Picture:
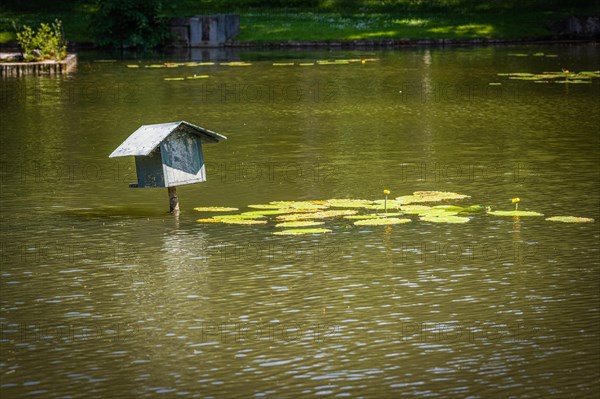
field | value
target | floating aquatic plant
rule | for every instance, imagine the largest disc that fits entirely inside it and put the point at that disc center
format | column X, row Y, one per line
column 299, row 224
column 231, row 221
column 373, row 215
column 381, row 221
column 363, row 217
column 215, row 209
column 382, row 205
column 472, row 210
column 265, row 206
column 311, row 205
column 197, row 77
column 265, row 212
column 515, row 213
column 516, row 202
column 235, row 63
column 174, row 79
column 441, row 218
column 302, row 231
column 336, row 62
column 430, row 196
column 283, row 64
column 569, row 219
column 243, row 221
column 414, row 208
column 238, row 216
column 347, row 203
column 386, row 193
column 436, row 212
column 449, row 208
column 316, row 215
column 566, row 76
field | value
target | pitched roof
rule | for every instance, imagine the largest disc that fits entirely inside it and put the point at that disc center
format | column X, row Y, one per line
column 147, row 137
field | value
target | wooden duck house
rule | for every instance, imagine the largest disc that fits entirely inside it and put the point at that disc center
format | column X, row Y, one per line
column 168, row 155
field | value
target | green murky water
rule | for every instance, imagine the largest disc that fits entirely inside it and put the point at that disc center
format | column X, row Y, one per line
column 103, row 294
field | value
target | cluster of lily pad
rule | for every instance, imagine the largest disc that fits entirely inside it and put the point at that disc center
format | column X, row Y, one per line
column 539, row 54
column 564, row 76
column 244, row 64
column 327, row 62
column 190, row 64
column 302, row 217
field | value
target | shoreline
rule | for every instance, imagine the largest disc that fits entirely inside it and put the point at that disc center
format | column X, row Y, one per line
column 344, row 44
column 398, row 43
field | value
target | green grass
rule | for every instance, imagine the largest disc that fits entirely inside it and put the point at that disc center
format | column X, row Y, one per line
column 282, row 26
column 276, row 24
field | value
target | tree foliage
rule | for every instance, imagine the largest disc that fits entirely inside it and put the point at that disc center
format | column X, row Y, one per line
column 129, row 23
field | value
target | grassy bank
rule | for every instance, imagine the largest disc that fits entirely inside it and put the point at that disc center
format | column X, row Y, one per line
column 342, row 20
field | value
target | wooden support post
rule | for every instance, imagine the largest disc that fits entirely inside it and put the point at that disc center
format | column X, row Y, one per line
column 173, row 201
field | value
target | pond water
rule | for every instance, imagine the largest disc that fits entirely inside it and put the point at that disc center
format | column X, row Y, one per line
column 104, row 294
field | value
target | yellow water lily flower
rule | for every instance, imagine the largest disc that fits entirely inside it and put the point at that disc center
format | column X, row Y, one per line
column 516, row 202
column 386, row 192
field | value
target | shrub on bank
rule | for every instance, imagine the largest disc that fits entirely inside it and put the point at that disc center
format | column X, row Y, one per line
column 47, row 43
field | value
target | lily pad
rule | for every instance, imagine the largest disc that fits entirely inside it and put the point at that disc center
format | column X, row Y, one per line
column 415, row 209
column 264, row 206
column 389, row 214
column 174, row 79
column 472, row 210
column 381, row 221
column 283, row 64
column 268, row 212
column 312, row 205
column 436, row 212
column 449, row 208
column 238, row 216
column 316, row 215
column 235, row 63
column 347, row 203
column 430, row 196
column 242, row 221
column 299, row 224
column 133, row 66
column 576, row 81
column 570, row 219
column 380, row 205
column 515, row 213
column 444, row 219
column 215, row 209
column 302, row 231
column 197, row 77
column 231, row 221
column 334, row 62
column 363, row 217
column 545, row 77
